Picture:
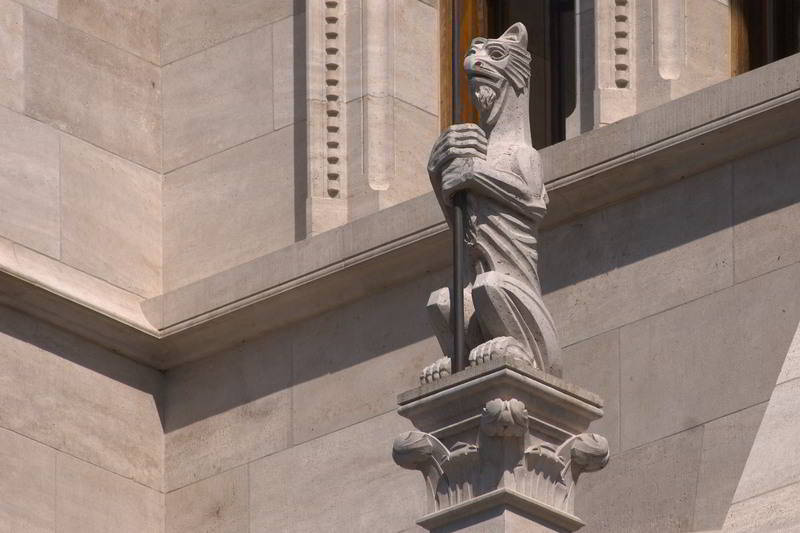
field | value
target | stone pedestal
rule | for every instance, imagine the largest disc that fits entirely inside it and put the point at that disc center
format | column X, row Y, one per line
column 500, row 446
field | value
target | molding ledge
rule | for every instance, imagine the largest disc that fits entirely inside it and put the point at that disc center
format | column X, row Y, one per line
column 502, row 498
column 605, row 166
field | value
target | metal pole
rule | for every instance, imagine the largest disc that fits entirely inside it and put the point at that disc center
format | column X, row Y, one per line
column 459, row 357
column 459, row 361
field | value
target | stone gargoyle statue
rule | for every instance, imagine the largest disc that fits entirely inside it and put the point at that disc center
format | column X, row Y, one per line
column 496, row 165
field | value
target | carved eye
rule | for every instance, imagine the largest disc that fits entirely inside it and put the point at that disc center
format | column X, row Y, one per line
column 497, row 53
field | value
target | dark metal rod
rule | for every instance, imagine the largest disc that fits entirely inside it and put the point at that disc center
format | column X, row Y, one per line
column 459, row 361
column 459, row 358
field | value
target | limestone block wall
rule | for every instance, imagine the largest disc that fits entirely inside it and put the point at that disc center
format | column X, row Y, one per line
column 152, row 144
column 80, row 154
column 690, row 361
column 234, row 133
column 304, row 415
column 187, row 122
column 81, row 442
column 767, row 491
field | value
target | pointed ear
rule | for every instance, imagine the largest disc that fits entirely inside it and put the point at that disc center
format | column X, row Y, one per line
column 516, row 34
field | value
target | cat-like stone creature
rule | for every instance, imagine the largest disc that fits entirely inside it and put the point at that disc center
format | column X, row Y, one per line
column 501, row 173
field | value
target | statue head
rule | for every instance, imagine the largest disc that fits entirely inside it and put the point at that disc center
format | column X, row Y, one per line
column 495, row 66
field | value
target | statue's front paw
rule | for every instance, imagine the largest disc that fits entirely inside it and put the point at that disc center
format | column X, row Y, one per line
column 436, row 371
column 499, row 347
column 457, row 142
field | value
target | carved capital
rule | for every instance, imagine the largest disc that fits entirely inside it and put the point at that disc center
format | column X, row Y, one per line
column 543, row 472
column 512, row 435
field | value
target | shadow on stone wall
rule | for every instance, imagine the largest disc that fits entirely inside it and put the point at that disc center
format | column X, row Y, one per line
column 57, row 342
column 363, row 353
column 668, row 218
column 300, row 130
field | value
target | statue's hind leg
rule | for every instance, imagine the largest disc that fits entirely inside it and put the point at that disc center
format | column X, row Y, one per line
column 440, row 316
column 515, row 323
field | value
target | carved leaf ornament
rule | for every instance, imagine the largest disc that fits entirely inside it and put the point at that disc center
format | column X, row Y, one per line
column 504, row 418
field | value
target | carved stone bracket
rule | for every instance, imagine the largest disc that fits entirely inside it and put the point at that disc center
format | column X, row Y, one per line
column 500, row 436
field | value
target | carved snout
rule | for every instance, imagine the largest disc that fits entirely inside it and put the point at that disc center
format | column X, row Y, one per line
column 472, row 64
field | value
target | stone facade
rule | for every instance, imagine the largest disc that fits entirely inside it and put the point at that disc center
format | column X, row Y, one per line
column 197, row 334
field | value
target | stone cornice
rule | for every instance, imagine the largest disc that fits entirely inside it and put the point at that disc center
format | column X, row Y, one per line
column 503, row 497
column 605, row 166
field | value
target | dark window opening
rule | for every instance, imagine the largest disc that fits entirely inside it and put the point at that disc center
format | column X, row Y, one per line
column 763, row 31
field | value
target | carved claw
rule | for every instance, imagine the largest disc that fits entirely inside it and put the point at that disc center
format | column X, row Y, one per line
column 499, row 347
column 436, row 371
